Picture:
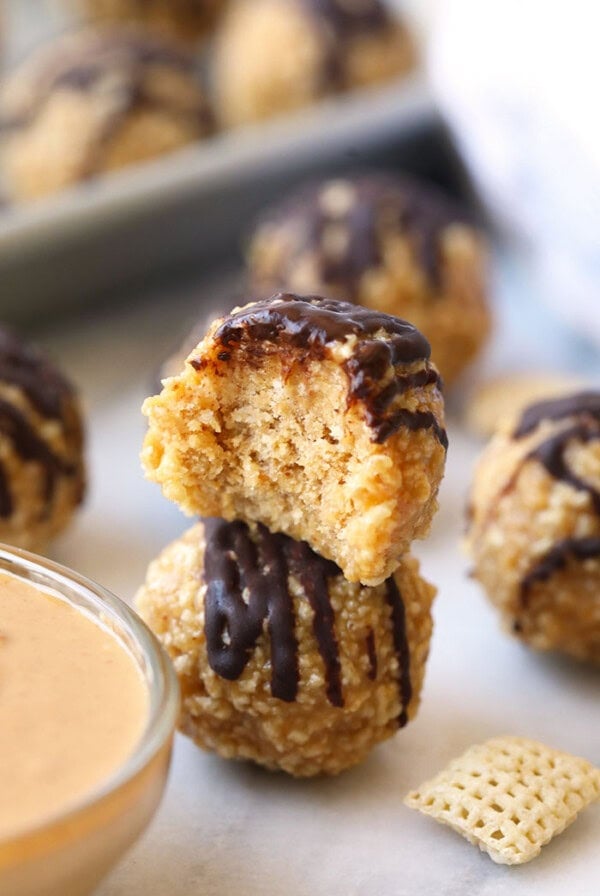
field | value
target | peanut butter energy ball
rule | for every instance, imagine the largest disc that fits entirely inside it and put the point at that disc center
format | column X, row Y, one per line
column 274, row 56
column 393, row 244
column 317, row 418
column 41, row 447
column 96, row 101
column 534, row 533
column 185, row 20
column 281, row 660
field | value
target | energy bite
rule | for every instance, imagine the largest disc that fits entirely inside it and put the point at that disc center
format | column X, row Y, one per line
column 185, row 20
column 42, row 478
column 281, row 660
column 534, row 528
column 95, row 101
column 274, row 56
column 314, row 417
column 389, row 243
column 509, row 796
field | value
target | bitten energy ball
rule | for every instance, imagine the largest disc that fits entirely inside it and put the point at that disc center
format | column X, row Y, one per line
column 96, row 101
column 281, row 660
column 392, row 244
column 186, row 20
column 274, row 56
column 41, row 447
column 534, row 534
column 315, row 417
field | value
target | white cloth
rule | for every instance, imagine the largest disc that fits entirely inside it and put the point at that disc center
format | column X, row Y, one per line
column 518, row 82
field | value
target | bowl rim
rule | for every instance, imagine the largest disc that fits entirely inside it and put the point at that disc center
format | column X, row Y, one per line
column 154, row 664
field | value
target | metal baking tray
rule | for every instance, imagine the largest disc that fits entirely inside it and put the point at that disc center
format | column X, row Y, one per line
column 120, row 234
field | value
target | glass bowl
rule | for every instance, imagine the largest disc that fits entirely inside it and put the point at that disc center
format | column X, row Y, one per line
column 70, row 852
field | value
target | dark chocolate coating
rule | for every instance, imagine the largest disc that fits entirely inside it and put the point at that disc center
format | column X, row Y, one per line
column 52, row 397
column 584, row 409
column 237, row 564
column 581, row 403
column 311, row 323
column 382, row 203
column 556, row 559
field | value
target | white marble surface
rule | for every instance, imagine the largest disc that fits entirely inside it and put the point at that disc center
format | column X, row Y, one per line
column 233, row 829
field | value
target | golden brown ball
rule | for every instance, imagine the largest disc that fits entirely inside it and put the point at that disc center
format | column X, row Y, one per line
column 275, row 56
column 42, row 476
column 534, row 531
column 281, row 660
column 96, row 101
column 388, row 243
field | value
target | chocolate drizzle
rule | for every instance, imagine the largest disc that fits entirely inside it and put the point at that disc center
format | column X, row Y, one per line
column 236, row 566
column 51, row 396
column 395, row 602
column 581, row 403
column 340, row 24
column 30, row 447
column 584, row 409
column 247, row 579
column 310, row 324
column 23, row 367
column 371, row 206
column 556, row 558
column 313, row 573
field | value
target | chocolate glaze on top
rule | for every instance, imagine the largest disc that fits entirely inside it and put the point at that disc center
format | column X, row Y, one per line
column 52, row 396
column 113, row 64
column 247, row 589
column 396, row 604
column 380, row 204
column 581, row 403
column 311, row 323
column 24, row 367
column 584, row 409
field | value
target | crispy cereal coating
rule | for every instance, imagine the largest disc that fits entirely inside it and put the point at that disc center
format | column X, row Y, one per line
column 275, row 56
column 185, row 20
column 96, row 101
column 42, row 478
column 317, row 418
column 281, row 660
column 392, row 244
column 534, row 531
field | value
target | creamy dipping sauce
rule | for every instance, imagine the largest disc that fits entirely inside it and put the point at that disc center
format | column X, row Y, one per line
column 73, row 705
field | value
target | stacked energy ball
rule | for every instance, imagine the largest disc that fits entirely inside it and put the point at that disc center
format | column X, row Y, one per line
column 308, row 435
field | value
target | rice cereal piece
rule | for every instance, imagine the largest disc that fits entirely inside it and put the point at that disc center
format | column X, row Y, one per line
column 510, row 796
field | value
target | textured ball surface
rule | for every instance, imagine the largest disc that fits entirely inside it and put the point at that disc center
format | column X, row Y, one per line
column 392, row 244
column 95, row 101
column 42, row 477
column 314, row 417
column 534, row 531
column 281, row 660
